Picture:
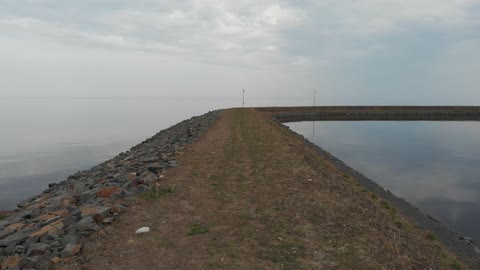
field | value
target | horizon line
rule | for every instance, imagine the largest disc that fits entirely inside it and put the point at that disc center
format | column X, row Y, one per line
column 148, row 97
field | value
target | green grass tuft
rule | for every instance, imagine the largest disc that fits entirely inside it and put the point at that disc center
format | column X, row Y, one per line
column 156, row 193
column 385, row 205
column 399, row 224
column 197, row 229
column 430, row 236
column 392, row 211
column 456, row 265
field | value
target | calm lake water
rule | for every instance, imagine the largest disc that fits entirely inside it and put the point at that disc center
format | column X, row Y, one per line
column 433, row 165
column 45, row 140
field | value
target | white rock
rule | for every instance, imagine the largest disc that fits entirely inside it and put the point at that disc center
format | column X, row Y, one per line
column 142, row 230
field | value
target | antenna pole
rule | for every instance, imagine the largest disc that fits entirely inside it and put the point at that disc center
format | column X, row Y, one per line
column 314, row 97
column 243, row 102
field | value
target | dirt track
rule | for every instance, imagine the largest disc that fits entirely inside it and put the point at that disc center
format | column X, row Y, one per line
column 250, row 195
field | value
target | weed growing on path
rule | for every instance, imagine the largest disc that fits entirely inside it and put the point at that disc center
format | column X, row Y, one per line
column 197, row 229
column 430, row 236
column 156, row 193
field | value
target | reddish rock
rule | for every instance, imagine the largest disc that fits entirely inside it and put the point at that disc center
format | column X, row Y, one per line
column 71, row 250
column 38, row 249
column 97, row 212
column 65, row 261
column 33, row 205
column 110, row 165
column 107, row 192
column 41, row 205
column 61, row 213
column 29, row 226
column 101, row 234
column 108, row 220
column 116, row 209
column 44, row 217
column 11, row 229
column 51, row 229
column 102, row 181
column 11, row 262
column 131, row 176
column 7, row 213
column 15, row 227
column 107, row 203
column 66, row 203
column 56, row 260
column 44, row 196
column 136, row 182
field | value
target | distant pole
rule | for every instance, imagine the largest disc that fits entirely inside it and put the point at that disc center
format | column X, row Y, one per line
column 243, row 102
column 314, row 105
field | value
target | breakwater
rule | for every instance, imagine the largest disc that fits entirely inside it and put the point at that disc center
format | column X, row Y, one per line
column 372, row 113
column 51, row 227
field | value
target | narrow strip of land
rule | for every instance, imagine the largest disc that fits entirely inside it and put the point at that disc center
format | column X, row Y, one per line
column 251, row 195
column 357, row 113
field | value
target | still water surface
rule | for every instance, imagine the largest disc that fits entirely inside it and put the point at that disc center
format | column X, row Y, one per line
column 433, row 165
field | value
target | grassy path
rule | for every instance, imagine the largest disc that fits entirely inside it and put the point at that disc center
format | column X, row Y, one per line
column 250, row 195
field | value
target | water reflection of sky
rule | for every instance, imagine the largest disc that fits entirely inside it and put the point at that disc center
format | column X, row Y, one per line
column 434, row 165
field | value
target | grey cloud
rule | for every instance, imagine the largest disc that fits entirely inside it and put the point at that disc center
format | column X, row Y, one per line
column 352, row 50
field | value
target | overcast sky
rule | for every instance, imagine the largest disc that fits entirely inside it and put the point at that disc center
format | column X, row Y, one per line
column 351, row 51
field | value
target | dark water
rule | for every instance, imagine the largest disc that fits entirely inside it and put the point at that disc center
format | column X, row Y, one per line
column 433, row 165
column 45, row 140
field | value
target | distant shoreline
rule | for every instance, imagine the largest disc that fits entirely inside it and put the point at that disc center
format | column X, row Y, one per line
column 374, row 113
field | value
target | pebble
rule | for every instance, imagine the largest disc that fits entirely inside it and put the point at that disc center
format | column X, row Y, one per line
column 143, row 230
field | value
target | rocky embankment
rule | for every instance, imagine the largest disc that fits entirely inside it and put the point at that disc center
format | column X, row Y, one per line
column 51, row 228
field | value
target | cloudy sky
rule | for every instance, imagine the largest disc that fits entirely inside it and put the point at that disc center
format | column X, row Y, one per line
column 351, row 51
